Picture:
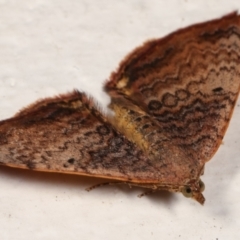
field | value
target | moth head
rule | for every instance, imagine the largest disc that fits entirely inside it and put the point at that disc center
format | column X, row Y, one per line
column 194, row 190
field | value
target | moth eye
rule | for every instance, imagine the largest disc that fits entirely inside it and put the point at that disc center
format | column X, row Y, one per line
column 202, row 186
column 187, row 192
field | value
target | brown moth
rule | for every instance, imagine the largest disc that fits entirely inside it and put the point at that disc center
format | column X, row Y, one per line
column 172, row 100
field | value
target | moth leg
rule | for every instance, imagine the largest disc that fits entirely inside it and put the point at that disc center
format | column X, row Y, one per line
column 147, row 193
column 103, row 184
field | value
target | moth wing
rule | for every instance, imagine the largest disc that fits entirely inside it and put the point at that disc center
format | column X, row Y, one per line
column 188, row 82
column 69, row 134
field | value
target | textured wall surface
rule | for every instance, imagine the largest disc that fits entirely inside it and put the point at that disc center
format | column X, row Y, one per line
column 51, row 47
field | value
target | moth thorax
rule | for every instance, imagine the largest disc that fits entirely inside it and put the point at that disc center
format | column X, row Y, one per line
column 138, row 127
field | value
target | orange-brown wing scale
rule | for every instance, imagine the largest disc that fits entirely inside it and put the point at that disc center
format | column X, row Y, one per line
column 172, row 100
column 68, row 134
column 188, row 82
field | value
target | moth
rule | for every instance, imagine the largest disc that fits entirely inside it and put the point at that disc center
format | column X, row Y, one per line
column 172, row 100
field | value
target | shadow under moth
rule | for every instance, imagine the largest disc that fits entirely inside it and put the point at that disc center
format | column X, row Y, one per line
column 172, row 100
